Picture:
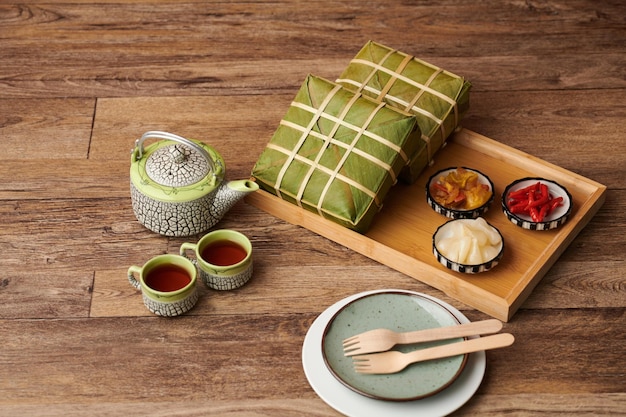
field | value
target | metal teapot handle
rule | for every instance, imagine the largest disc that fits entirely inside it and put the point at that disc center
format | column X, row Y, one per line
column 155, row 134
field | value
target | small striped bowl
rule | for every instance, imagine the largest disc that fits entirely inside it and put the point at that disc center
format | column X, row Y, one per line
column 554, row 220
column 456, row 213
column 459, row 267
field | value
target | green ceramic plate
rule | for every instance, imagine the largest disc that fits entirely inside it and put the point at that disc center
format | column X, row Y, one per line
column 401, row 312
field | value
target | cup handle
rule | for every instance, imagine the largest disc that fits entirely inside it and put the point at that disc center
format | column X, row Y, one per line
column 188, row 246
column 131, row 276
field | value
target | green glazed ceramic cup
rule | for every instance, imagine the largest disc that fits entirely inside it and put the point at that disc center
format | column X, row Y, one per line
column 167, row 284
column 219, row 265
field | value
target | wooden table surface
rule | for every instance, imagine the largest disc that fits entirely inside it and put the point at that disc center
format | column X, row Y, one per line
column 80, row 81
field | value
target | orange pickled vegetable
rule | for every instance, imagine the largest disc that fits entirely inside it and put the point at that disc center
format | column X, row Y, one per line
column 460, row 190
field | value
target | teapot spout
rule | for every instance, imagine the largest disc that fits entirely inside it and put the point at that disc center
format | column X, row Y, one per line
column 229, row 193
column 242, row 187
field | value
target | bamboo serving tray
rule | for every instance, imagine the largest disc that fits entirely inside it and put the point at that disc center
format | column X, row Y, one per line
column 401, row 234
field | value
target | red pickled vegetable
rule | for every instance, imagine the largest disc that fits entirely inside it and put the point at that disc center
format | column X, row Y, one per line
column 522, row 192
column 518, row 208
column 556, row 202
column 534, row 201
column 543, row 211
column 534, row 214
column 540, row 200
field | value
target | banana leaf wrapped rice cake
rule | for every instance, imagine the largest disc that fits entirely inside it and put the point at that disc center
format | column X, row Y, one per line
column 337, row 153
column 438, row 98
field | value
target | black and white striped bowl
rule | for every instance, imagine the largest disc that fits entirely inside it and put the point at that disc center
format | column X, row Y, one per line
column 456, row 213
column 554, row 220
column 459, row 267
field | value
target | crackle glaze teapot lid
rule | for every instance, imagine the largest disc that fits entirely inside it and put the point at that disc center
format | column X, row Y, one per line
column 175, row 169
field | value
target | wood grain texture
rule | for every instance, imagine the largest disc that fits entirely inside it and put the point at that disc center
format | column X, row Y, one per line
column 59, row 127
column 81, row 80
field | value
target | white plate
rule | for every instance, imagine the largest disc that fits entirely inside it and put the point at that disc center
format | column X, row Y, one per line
column 400, row 312
column 350, row 403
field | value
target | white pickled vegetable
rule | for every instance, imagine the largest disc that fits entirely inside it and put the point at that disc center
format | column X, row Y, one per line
column 469, row 241
column 465, row 245
column 490, row 252
column 475, row 257
column 481, row 237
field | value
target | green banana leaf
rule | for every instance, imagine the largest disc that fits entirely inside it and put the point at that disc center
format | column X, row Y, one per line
column 337, row 153
column 438, row 98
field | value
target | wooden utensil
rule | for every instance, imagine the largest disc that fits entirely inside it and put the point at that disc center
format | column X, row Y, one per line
column 379, row 340
column 393, row 361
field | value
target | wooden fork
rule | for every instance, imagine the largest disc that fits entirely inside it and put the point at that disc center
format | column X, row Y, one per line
column 379, row 340
column 393, row 361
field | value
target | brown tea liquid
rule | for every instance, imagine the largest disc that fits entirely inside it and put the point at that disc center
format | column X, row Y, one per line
column 223, row 253
column 166, row 278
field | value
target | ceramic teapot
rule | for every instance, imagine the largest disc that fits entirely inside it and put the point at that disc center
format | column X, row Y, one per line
column 177, row 185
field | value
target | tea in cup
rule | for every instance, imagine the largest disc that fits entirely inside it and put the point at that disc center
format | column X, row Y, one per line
column 167, row 284
column 223, row 257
